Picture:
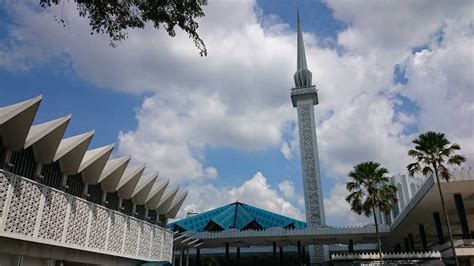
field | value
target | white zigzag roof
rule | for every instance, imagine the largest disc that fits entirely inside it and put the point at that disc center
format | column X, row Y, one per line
column 71, row 151
column 129, row 181
column 45, row 138
column 48, row 144
column 15, row 122
column 93, row 163
column 156, row 193
column 166, row 200
column 113, row 171
column 143, row 188
column 176, row 205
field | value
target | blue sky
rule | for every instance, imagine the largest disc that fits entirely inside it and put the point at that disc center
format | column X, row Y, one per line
column 223, row 126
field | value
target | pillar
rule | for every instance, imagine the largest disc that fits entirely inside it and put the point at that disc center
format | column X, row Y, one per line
column 411, row 241
column 424, row 243
column 187, row 257
column 462, row 216
column 238, row 256
column 227, row 253
column 64, row 185
column 174, row 257
column 198, row 257
column 298, row 244
column 85, row 191
column 407, row 246
column 38, row 174
column 281, row 255
column 181, row 257
column 104, row 198
column 439, row 228
column 274, row 252
column 303, row 254
column 351, row 246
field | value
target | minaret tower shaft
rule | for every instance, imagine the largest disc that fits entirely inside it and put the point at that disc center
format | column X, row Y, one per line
column 304, row 96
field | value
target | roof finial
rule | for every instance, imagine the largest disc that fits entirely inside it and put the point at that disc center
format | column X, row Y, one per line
column 303, row 75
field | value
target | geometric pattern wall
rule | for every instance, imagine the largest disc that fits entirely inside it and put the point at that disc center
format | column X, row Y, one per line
column 38, row 213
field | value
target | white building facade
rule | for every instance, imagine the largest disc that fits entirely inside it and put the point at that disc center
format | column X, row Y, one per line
column 63, row 203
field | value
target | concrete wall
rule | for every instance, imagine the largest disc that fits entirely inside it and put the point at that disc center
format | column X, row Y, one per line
column 18, row 252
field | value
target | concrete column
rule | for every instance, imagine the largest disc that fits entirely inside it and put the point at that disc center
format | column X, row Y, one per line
column 298, row 244
column 64, row 185
column 198, row 257
column 439, row 228
column 303, row 254
column 351, row 246
column 411, row 241
column 238, row 256
column 85, row 191
column 281, row 255
column 104, row 198
column 38, row 174
column 274, row 252
column 407, row 246
column 119, row 207
column 424, row 243
column 466, row 234
column 174, row 257
column 227, row 262
column 181, row 257
column 187, row 257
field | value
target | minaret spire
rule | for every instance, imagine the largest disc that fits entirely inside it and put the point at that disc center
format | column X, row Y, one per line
column 303, row 75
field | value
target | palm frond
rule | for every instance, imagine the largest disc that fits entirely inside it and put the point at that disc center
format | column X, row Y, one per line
column 456, row 159
column 413, row 168
column 427, row 171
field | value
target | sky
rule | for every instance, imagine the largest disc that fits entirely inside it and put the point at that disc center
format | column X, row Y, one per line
column 222, row 126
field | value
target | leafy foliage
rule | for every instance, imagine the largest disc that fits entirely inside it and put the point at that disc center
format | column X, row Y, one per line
column 432, row 151
column 369, row 189
column 115, row 17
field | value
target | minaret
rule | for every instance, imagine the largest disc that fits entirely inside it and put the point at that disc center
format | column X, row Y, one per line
column 304, row 96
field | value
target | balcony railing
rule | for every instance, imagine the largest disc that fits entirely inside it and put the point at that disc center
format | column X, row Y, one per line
column 34, row 212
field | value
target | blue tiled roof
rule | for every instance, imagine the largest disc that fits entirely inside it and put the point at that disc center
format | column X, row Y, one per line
column 236, row 215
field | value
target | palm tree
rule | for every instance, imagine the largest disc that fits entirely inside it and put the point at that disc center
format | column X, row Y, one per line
column 370, row 190
column 432, row 151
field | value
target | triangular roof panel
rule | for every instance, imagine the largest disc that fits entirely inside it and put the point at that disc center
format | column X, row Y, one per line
column 143, row 188
column 15, row 122
column 166, row 200
column 112, row 173
column 71, row 152
column 45, row 138
column 156, row 193
column 176, row 205
column 93, row 163
column 129, row 181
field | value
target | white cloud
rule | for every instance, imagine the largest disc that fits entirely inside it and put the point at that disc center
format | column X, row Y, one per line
column 237, row 97
column 287, row 188
column 255, row 191
column 338, row 211
column 440, row 81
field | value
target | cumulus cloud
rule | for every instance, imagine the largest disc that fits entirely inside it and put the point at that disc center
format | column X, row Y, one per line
column 287, row 188
column 238, row 96
column 338, row 211
column 255, row 191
